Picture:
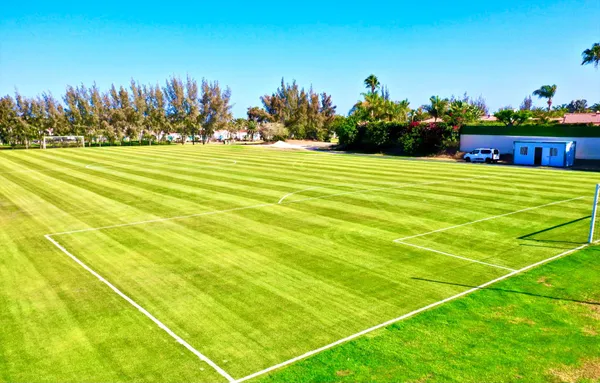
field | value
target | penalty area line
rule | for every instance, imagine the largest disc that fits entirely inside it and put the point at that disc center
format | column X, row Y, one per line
column 142, row 310
column 456, row 256
column 401, row 240
column 408, row 315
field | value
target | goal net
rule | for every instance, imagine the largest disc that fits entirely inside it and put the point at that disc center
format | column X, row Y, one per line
column 595, row 226
column 63, row 142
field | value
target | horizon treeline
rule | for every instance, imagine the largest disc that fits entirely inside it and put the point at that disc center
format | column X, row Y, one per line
column 136, row 112
column 194, row 110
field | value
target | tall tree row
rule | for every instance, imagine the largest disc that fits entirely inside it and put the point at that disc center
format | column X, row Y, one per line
column 303, row 114
column 135, row 113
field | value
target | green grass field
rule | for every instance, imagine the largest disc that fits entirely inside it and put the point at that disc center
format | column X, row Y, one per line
column 541, row 326
column 251, row 255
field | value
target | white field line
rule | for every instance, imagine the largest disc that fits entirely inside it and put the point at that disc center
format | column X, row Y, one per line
column 259, row 206
column 456, row 256
column 143, row 310
column 408, row 315
column 403, row 240
column 487, row 219
column 299, row 191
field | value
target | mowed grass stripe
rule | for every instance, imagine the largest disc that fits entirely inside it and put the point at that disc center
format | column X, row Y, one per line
column 396, row 162
column 101, row 196
column 299, row 252
column 306, row 272
column 409, row 163
column 490, row 191
column 244, row 171
column 57, row 325
column 262, row 224
column 490, row 185
column 187, row 199
column 126, row 183
column 526, row 177
column 267, row 187
column 400, row 186
column 216, row 179
column 321, row 170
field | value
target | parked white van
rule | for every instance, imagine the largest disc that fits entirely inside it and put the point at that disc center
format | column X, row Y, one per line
column 487, row 155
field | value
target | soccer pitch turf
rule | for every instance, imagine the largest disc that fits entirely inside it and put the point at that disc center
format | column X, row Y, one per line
column 249, row 256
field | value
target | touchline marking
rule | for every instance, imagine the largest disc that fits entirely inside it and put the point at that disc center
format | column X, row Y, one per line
column 487, row 219
column 259, row 206
column 456, row 256
column 143, row 310
column 408, row 315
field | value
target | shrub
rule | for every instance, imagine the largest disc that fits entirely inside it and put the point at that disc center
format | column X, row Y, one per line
column 411, row 138
column 273, row 131
column 345, row 129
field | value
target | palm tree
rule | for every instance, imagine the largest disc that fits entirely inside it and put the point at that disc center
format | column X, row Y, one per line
column 437, row 108
column 371, row 107
column 546, row 91
column 592, row 56
column 372, row 83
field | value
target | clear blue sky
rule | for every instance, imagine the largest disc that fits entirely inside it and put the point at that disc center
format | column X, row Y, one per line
column 502, row 50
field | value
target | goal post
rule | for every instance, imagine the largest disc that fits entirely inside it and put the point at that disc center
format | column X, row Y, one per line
column 593, row 225
column 63, row 142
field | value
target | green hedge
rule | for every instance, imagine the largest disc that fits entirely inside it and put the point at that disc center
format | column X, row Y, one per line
column 407, row 138
column 555, row 130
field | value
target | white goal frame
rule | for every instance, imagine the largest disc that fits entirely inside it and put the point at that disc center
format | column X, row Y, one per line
column 79, row 140
column 594, row 215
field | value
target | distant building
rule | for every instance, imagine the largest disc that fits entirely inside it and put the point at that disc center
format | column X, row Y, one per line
column 488, row 118
column 586, row 139
column 582, row 118
column 241, row 135
column 569, row 118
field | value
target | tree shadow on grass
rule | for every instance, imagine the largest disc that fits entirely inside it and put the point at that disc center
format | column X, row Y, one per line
column 508, row 291
column 552, row 247
column 528, row 237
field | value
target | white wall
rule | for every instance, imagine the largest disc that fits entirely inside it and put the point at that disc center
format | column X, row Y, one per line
column 587, row 148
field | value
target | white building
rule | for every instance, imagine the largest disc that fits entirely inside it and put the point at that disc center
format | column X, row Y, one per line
column 242, row 135
column 586, row 138
column 552, row 153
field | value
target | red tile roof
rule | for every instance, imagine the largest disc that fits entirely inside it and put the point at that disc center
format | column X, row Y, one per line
column 582, row 118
